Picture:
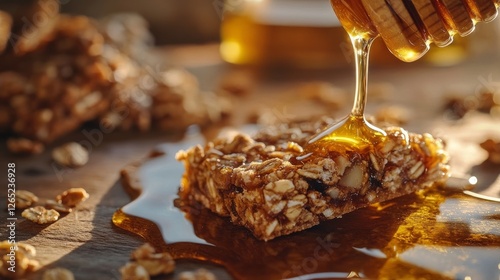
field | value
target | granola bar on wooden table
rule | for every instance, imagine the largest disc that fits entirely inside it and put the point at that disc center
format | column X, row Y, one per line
column 259, row 183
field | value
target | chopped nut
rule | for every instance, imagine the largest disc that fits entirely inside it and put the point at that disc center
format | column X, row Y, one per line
column 72, row 197
column 27, row 249
column 353, row 178
column 70, row 155
column 200, row 274
column 143, row 251
column 58, row 274
column 61, row 208
column 156, row 264
column 493, row 149
column 40, row 215
column 23, row 259
column 24, row 146
column 134, row 271
column 25, row 199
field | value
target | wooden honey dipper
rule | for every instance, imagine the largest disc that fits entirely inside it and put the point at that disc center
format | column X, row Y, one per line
column 409, row 26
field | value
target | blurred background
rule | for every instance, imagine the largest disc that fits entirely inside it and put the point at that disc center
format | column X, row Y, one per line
column 296, row 33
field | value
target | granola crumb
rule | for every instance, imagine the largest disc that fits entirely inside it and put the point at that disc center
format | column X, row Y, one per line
column 70, row 155
column 40, row 215
column 58, row 273
column 154, row 263
column 25, row 262
column 134, row 271
column 72, row 197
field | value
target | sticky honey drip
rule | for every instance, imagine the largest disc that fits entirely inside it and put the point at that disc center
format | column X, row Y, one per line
column 354, row 133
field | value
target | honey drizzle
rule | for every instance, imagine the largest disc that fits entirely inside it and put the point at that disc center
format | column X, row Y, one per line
column 354, row 133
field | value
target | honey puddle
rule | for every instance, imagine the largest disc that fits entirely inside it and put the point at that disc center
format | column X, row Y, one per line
column 437, row 234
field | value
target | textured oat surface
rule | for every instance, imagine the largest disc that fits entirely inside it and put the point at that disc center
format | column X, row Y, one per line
column 261, row 185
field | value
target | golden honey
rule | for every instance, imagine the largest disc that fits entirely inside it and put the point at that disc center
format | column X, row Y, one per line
column 407, row 28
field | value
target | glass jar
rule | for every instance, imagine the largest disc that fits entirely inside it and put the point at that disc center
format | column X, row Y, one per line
column 296, row 33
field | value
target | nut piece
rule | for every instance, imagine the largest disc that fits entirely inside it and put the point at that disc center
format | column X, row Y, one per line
column 154, row 263
column 134, row 271
column 200, row 274
column 58, row 273
column 144, row 251
column 72, row 197
column 23, row 261
column 61, row 208
column 70, row 155
column 24, row 146
column 40, row 215
column 25, row 199
column 27, row 249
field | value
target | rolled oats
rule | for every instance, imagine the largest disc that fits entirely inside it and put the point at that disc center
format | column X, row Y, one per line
column 40, row 215
column 70, row 155
column 58, row 273
column 25, row 199
column 27, row 249
column 72, row 197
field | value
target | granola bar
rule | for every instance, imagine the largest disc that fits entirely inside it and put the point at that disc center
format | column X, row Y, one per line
column 259, row 183
column 84, row 70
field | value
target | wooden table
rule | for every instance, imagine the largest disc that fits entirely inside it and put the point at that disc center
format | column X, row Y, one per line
column 86, row 242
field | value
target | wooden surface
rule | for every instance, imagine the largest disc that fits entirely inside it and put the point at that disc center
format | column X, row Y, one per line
column 86, row 242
